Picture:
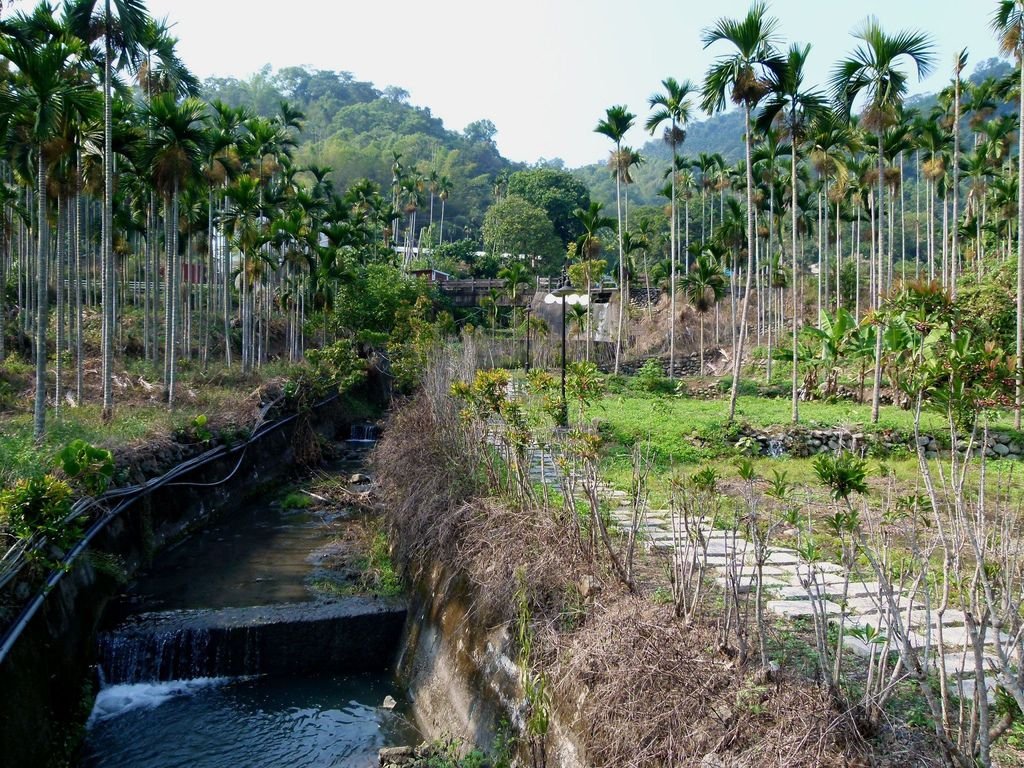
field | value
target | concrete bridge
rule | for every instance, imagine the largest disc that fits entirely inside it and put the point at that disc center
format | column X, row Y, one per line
column 471, row 292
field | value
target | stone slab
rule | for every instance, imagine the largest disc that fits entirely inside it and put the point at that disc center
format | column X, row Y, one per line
column 799, row 609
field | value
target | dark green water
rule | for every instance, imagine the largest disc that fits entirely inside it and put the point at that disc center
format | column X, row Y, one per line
column 251, row 723
column 259, row 555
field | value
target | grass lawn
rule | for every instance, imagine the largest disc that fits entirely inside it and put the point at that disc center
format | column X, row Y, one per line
column 687, row 433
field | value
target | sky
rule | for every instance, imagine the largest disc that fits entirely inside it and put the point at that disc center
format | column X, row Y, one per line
column 543, row 71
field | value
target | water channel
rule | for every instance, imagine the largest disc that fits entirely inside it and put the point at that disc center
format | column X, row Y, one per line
column 261, row 555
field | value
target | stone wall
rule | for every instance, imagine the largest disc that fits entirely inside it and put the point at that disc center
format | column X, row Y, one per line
column 805, row 441
column 686, row 366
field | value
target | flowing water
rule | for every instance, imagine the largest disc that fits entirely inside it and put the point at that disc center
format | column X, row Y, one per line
column 259, row 556
column 245, row 723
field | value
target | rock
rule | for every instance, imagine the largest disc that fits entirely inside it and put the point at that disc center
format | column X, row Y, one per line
column 1002, row 438
column 389, row 702
column 923, row 441
column 358, row 479
column 1016, row 448
column 1002, row 449
column 931, row 455
column 396, row 755
column 589, row 586
column 712, row 760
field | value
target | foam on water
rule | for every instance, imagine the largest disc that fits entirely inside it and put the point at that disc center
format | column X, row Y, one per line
column 116, row 700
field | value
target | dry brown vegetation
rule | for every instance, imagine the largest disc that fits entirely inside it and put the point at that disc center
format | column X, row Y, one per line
column 634, row 685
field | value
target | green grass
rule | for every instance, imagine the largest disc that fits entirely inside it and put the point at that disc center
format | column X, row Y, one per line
column 296, row 500
column 685, row 433
column 20, row 456
column 672, row 421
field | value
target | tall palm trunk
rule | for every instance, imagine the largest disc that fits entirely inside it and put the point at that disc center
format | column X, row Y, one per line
column 954, row 261
column 440, row 234
column 622, row 262
column 738, row 348
column 701, row 369
column 168, row 277
column 792, row 279
column 42, row 300
column 226, row 274
column 107, row 254
column 174, row 299
column 1019, row 383
column 876, row 390
column 59, row 339
column 672, row 268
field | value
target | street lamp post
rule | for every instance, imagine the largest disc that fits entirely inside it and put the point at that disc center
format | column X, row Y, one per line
column 527, row 311
column 565, row 294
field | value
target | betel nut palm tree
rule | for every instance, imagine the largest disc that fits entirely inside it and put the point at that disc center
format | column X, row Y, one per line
column 176, row 150
column 617, row 121
column 742, row 75
column 874, row 72
column 797, row 106
column 672, row 106
column 705, row 285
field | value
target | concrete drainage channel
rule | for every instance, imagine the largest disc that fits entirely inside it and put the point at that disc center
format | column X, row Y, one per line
column 293, row 654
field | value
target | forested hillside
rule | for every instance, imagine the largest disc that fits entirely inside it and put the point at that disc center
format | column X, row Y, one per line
column 356, row 129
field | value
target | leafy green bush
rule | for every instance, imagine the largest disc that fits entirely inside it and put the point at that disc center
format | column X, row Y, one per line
column 39, row 505
column 336, row 366
column 747, row 387
column 651, row 378
column 86, row 465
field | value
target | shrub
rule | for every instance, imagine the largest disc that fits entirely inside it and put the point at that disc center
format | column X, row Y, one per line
column 39, row 505
column 747, row 388
column 296, row 501
column 651, row 377
column 90, row 467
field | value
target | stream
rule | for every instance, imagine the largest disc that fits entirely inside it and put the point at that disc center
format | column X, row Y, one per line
column 265, row 558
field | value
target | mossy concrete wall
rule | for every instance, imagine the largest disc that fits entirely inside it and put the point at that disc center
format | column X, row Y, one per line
column 46, row 681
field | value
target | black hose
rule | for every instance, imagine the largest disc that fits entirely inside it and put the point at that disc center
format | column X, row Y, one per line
column 128, row 496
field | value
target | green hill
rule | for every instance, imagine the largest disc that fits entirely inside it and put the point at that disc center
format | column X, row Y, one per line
column 355, row 128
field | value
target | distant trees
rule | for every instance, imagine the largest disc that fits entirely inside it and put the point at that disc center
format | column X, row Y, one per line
column 516, row 227
column 558, row 193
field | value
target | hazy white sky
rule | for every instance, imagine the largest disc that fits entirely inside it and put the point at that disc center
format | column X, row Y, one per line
column 542, row 70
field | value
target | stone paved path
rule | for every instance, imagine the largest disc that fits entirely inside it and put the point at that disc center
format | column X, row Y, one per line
column 730, row 557
column 785, row 581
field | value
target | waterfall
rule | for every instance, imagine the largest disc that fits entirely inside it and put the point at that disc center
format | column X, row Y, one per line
column 363, row 433
column 134, row 654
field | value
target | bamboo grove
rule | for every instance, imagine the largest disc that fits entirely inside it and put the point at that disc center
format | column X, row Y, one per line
column 845, row 194
column 125, row 194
